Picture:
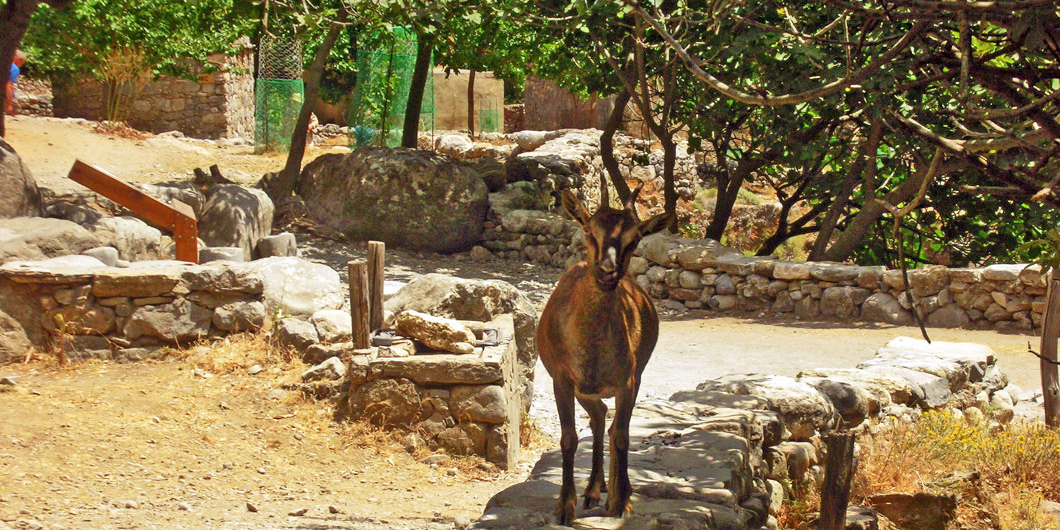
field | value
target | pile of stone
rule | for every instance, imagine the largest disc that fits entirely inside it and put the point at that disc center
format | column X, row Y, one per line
column 456, row 370
column 725, row 454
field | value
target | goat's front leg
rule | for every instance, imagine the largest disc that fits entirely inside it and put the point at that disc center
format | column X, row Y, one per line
column 619, row 488
column 568, row 443
column 597, row 416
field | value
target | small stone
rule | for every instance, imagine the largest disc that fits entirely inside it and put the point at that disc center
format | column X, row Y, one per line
column 277, row 394
column 184, row 507
column 452, row 472
column 255, row 370
column 461, row 521
column 261, row 471
column 299, row 512
column 437, row 458
column 334, row 509
column 10, row 380
column 131, row 505
column 251, row 508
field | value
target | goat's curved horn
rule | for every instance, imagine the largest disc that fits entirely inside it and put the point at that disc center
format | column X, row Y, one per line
column 631, row 202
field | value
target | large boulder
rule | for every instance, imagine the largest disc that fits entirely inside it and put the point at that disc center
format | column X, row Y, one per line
column 236, row 216
column 38, row 238
column 482, row 300
column 403, row 197
column 134, row 239
column 19, row 196
column 296, row 287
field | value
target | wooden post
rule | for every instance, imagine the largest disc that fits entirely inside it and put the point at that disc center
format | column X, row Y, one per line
column 359, row 303
column 376, row 253
column 838, row 473
column 1050, row 334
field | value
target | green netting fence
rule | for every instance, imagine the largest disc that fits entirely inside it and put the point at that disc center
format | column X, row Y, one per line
column 277, row 103
column 384, row 77
column 278, row 93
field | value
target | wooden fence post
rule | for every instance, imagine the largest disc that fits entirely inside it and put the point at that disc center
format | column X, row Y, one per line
column 376, row 256
column 1050, row 334
column 838, row 473
column 359, row 303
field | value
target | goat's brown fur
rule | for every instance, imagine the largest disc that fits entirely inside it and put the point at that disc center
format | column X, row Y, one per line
column 595, row 337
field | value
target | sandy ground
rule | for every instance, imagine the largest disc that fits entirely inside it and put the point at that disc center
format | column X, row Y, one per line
column 152, row 445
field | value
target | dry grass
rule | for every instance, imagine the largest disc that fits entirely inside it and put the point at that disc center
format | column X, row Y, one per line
column 1001, row 476
column 237, row 353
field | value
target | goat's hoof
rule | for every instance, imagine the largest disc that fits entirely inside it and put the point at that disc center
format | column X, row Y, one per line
column 565, row 513
column 619, row 508
column 591, row 501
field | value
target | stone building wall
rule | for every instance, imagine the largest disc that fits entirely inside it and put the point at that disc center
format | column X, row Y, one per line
column 685, row 274
column 548, row 107
column 212, row 105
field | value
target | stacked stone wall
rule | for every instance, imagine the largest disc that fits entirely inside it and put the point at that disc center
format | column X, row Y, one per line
column 126, row 313
column 464, row 404
column 211, row 105
column 687, row 274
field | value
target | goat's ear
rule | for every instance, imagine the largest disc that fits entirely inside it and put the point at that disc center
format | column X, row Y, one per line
column 575, row 208
column 656, row 224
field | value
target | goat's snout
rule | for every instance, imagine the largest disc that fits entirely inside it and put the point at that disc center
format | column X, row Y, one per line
column 609, row 261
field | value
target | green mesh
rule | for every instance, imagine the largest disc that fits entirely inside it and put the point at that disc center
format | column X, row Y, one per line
column 489, row 120
column 276, row 106
column 384, row 77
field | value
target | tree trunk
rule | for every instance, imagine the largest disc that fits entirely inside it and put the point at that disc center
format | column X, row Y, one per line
column 282, row 186
column 14, row 20
column 411, row 131
column 669, row 186
column 1050, row 332
column 728, row 190
column 471, row 103
column 846, row 189
column 871, row 212
column 607, row 145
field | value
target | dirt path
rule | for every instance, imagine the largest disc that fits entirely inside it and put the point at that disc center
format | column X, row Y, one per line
column 153, row 445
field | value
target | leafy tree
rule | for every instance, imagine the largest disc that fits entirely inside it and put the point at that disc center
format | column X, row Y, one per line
column 125, row 43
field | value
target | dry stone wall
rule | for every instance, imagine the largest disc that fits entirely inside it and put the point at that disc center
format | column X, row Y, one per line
column 464, row 404
column 212, row 105
column 89, row 310
column 686, row 274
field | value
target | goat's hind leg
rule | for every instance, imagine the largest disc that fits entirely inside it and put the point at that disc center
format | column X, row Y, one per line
column 597, row 410
column 568, row 443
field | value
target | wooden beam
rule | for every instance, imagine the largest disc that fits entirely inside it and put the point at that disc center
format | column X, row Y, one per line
column 178, row 220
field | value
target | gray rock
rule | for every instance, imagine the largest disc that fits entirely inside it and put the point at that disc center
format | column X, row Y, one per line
column 333, row 325
column 481, row 300
column 176, row 322
column 14, row 341
column 239, row 316
column 296, row 333
column 134, row 239
column 280, row 245
column 882, row 307
column 949, row 316
column 9, row 380
column 803, row 409
column 485, row 404
column 36, row 238
column 385, row 402
column 209, row 254
column 843, row 302
column 442, row 334
column 923, row 511
column 786, row 270
column 296, row 287
column 851, row 401
column 441, row 203
column 329, row 370
column 235, row 216
column 108, row 255
column 19, row 196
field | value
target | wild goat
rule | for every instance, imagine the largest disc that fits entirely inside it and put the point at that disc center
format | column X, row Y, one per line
column 595, row 337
